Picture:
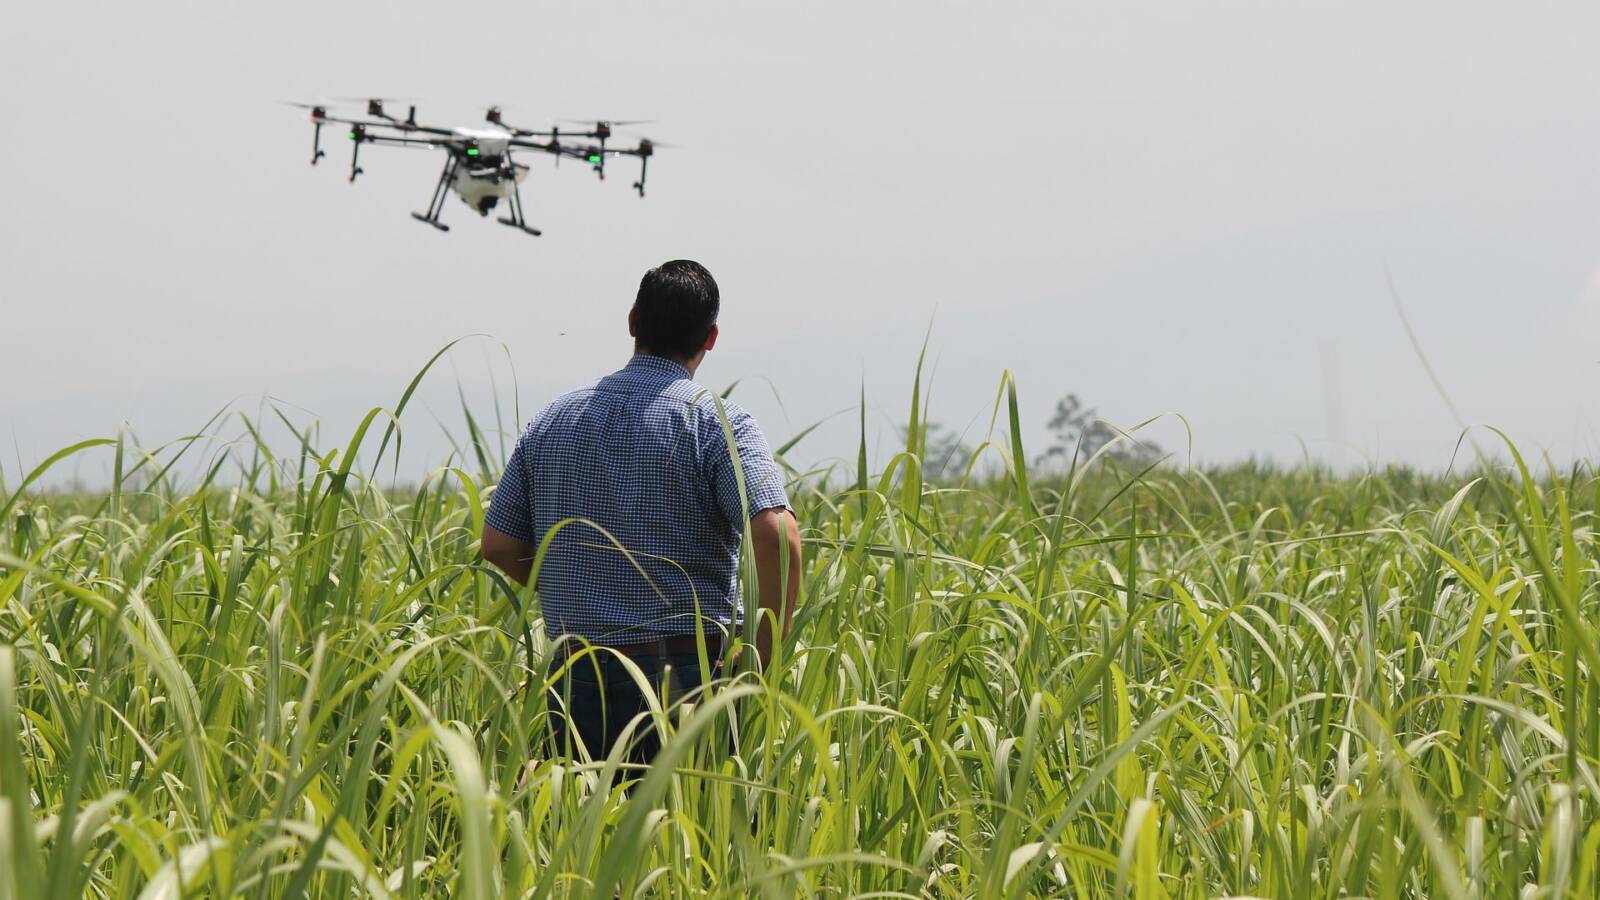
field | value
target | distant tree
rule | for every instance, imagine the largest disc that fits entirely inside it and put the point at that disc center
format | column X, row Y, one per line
column 1079, row 433
column 945, row 458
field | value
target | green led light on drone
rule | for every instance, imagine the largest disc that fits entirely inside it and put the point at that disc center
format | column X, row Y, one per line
column 352, row 135
column 594, row 157
column 472, row 151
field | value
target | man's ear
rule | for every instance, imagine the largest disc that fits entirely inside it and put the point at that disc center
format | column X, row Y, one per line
column 633, row 322
column 711, row 338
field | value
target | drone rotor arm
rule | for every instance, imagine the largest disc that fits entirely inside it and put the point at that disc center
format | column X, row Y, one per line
column 404, row 128
column 595, row 155
column 423, row 129
column 396, row 141
column 359, row 134
column 551, row 147
column 584, row 152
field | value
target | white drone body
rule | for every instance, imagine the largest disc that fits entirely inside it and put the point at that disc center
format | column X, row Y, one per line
column 481, row 187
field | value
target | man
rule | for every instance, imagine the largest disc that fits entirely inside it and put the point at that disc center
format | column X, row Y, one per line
column 634, row 478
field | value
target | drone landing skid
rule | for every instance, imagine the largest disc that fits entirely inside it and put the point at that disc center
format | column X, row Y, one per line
column 420, row 217
column 520, row 226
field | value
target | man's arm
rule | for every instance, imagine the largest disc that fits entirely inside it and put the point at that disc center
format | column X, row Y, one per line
column 775, row 537
column 510, row 555
column 508, row 524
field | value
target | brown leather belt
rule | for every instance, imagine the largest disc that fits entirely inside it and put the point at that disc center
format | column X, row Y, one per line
column 675, row 645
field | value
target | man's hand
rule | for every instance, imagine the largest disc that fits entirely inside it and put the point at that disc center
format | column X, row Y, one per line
column 775, row 540
column 511, row 555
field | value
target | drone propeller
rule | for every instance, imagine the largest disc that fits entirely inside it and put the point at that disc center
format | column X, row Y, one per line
column 375, row 106
column 495, row 115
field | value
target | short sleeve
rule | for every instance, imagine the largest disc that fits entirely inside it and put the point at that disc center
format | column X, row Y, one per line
column 511, row 507
column 763, row 477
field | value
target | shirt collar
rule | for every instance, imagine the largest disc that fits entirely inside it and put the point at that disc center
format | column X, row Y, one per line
column 644, row 362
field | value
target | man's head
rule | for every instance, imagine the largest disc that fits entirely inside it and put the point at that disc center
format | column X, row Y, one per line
column 675, row 313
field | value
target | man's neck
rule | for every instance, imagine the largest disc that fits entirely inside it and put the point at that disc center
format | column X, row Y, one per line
column 691, row 364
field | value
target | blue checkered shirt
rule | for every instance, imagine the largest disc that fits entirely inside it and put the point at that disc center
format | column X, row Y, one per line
column 642, row 454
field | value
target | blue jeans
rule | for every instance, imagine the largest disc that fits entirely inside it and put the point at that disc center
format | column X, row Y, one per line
column 597, row 698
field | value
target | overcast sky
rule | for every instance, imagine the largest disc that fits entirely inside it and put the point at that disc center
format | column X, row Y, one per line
column 1165, row 207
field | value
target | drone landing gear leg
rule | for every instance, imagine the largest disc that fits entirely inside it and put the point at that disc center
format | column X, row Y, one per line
column 441, row 191
column 514, row 220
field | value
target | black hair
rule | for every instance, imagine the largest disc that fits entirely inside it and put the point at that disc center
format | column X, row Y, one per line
column 676, row 307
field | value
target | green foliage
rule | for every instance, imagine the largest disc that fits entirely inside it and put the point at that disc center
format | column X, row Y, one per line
column 1241, row 682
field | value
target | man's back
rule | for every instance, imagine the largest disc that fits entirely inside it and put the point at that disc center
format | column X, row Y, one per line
column 635, row 484
column 641, row 459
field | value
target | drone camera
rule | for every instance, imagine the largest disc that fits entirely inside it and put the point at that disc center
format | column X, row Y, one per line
column 493, row 115
column 375, row 108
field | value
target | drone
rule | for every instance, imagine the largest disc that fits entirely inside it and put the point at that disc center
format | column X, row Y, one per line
column 478, row 163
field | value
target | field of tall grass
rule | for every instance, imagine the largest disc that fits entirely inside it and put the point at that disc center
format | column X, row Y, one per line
column 286, row 678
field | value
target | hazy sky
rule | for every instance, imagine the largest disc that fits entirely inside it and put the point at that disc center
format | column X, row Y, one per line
column 1165, row 207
